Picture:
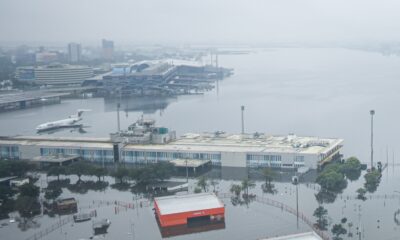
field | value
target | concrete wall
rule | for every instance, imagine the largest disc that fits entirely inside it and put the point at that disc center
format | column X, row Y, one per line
column 29, row 152
column 233, row 159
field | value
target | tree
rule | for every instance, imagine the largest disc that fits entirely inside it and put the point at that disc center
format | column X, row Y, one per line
column 246, row 185
column 361, row 194
column 120, row 174
column 321, row 213
column 372, row 180
column 29, row 190
column 214, row 183
column 202, row 183
column 163, row 170
column 331, row 180
column 57, row 171
column 14, row 168
column 269, row 175
column 98, row 172
column 338, row 230
column 79, row 168
column 27, row 206
column 236, row 189
column 197, row 190
column 351, row 168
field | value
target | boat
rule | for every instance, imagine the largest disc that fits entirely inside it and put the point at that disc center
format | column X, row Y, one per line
column 101, row 226
column 81, row 217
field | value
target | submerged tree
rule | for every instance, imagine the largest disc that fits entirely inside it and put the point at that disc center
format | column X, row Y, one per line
column 57, row 171
column 321, row 213
column 236, row 189
column 98, row 172
column 120, row 174
column 246, row 185
column 269, row 175
column 372, row 180
column 214, row 183
column 202, row 183
column 361, row 194
column 338, row 230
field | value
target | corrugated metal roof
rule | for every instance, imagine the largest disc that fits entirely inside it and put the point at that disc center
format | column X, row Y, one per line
column 300, row 236
column 187, row 203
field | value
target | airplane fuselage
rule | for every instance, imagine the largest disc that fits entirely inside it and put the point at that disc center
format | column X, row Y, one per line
column 69, row 122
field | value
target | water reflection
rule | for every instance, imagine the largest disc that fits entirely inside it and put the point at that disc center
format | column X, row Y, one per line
column 194, row 227
column 147, row 105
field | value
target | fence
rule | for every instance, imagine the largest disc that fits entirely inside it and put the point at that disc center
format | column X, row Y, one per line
column 285, row 208
column 96, row 203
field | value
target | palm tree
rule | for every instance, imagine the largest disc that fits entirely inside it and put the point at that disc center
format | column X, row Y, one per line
column 269, row 175
column 236, row 189
column 246, row 184
column 202, row 183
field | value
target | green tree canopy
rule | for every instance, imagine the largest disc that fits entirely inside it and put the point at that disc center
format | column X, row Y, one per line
column 57, row 171
column 321, row 213
column 236, row 189
column 338, row 230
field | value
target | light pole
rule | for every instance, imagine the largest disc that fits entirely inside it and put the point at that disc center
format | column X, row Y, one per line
column 187, row 171
column 372, row 113
column 295, row 181
column 242, row 108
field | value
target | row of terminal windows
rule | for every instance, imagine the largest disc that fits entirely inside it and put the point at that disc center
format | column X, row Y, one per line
column 9, row 152
column 92, row 155
column 140, row 156
column 258, row 157
column 275, row 161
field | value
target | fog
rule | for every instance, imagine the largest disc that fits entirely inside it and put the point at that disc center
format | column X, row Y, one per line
column 205, row 21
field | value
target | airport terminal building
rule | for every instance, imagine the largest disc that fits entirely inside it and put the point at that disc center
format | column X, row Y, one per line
column 226, row 150
column 55, row 74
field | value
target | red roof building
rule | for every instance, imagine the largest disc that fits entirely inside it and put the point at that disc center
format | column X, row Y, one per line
column 181, row 209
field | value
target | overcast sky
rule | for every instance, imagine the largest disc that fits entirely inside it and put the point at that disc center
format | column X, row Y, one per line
column 200, row 21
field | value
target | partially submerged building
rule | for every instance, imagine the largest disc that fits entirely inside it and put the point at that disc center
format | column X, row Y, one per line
column 182, row 209
column 160, row 145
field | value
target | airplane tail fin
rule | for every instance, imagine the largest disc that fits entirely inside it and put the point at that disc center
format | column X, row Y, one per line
column 81, row 111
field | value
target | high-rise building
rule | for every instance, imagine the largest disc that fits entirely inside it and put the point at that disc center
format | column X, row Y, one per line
column 55, row 74
column 74, row 52
column 108, row 49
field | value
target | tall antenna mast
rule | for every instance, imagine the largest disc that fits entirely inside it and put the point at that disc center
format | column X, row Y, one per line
column 242, row 108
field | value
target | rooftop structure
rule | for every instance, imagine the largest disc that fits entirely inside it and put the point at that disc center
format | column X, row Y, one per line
column 144, row 131
column 179, row 209
column 55, row 159
column 300, row 236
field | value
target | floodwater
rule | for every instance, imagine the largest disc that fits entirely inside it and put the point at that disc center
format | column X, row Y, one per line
column 313, row 91
column 318, row 92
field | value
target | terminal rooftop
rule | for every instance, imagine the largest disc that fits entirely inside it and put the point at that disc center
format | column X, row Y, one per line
column 231, row 150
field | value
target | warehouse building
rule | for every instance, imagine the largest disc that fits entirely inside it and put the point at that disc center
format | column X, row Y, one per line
column 183, row 209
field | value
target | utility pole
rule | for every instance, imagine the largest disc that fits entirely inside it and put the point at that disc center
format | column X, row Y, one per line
column 119, row 127
column 242, row 108
column 372, row 113
column 295, row 181
column 187, row 172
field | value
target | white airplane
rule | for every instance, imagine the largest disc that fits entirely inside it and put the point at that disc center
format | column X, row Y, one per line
column 71, row 121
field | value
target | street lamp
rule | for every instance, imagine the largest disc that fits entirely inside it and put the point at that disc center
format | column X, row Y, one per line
column 295, row 181
column 372, row 113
